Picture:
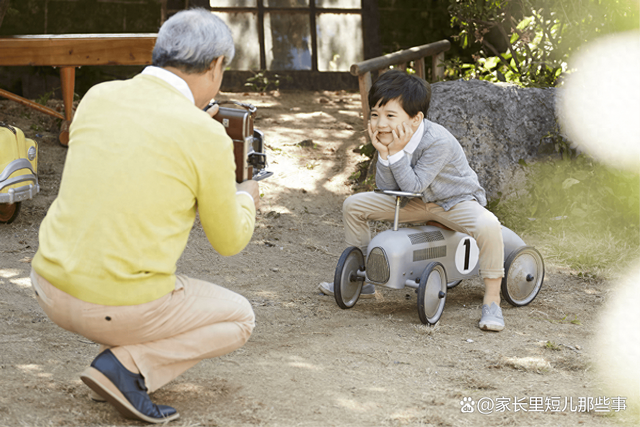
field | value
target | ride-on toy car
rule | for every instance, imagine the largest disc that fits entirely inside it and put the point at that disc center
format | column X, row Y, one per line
column 433, row 259
column 18, row 171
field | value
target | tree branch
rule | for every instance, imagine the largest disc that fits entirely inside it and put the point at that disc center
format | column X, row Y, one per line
column 499, row 55
column 514, row 55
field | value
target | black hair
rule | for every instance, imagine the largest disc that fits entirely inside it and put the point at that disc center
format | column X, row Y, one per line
column 412, row 92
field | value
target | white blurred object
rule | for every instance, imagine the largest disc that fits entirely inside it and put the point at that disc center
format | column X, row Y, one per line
column 618, row 342
column 600, row 107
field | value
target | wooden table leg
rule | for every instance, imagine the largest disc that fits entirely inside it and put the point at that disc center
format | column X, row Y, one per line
column 30, row 104
column 67, row 81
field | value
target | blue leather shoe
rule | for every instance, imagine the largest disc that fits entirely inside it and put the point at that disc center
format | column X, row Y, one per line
column 125, row 390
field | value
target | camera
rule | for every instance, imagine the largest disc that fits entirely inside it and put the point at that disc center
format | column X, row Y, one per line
column 248, row 143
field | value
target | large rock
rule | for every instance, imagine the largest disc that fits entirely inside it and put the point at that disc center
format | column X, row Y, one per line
column 497, row 125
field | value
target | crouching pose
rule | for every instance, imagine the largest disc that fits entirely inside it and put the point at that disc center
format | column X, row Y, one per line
column 143, row 159
column 418, row 156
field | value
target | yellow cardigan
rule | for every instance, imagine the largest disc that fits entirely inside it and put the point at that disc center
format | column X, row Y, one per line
column 142, row 158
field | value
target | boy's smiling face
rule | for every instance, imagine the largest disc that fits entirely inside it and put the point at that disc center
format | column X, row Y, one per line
column 389, row 117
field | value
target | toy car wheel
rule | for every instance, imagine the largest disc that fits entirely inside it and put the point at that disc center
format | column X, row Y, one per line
column 432, row 293
column 9, row 212
column 524, row 274
column 347, row 285
column 453, row 284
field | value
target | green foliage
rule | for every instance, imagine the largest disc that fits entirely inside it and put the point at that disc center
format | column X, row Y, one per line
column 587, row 192
column 368, row 184
column 590, row 253
column 550, row 345
column 565, row 320
column 368, row 150
column 529, row 42
column 261, row 82
column 586, row 214
column 362, row 179
column 577, row 193
column 42, row 100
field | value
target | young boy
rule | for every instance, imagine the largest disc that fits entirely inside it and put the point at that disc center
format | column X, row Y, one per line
column 419, row 156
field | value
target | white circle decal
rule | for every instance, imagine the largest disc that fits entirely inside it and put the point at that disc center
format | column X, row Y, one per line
column 467, row 254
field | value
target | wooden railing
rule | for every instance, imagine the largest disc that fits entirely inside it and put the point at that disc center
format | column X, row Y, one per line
column 399, row 59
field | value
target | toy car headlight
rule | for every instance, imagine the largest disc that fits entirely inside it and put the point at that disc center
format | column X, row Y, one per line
column 31, row 154
column 378, row 266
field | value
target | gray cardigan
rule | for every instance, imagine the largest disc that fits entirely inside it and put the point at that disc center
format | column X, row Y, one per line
column 437, row 168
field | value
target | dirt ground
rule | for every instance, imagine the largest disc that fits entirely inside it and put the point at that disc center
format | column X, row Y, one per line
column 309, row 363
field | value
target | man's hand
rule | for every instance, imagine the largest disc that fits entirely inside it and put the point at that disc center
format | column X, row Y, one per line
column 213, row 110
column 251, row 187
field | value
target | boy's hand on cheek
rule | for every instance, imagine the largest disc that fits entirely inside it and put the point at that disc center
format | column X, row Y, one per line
column 382, row 148
column 401, row 137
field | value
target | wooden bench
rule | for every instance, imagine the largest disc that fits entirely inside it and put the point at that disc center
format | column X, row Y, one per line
column 400, row 59
column 68, row 51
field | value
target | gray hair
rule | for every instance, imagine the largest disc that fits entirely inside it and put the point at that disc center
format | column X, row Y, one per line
column 191, row 39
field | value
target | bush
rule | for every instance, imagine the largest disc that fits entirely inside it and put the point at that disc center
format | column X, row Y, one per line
column 529, row 42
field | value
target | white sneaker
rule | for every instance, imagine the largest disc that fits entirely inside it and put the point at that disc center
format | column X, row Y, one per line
column 368, row 290
column 492, row 319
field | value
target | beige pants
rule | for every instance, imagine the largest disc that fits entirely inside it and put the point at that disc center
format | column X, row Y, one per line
column 466, row 217
column 165, row 337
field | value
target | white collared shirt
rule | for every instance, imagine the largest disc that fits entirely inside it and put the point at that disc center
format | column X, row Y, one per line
column 407, row 150
column 170, row 78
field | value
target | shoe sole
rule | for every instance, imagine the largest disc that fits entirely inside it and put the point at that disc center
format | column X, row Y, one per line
column 96, row 397
column 103, row 386
column 492, row 328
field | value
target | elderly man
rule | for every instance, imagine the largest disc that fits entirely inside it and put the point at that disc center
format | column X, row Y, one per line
column 143, row 158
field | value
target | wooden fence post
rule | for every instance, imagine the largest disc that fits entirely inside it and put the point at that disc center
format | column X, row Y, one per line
column 419, row 66
column 364, row 81
column 437, row 67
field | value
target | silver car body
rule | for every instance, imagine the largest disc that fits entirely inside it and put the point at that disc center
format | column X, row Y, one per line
column 397, row 258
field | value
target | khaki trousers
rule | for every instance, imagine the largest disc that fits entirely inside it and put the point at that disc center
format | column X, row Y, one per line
column 198, row 320
column 466, row 217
